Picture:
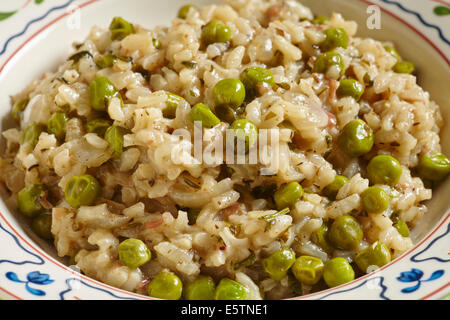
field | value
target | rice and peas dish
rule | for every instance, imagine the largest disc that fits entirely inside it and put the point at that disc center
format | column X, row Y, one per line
column 97, row 166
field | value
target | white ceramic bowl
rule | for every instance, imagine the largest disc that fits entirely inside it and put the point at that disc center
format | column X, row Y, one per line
column 37, row 37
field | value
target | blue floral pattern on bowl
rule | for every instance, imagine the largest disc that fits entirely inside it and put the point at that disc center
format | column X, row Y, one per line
column 33, row 277
column 415, row 276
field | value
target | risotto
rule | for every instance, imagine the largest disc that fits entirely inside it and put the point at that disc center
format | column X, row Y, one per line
column 337, row 148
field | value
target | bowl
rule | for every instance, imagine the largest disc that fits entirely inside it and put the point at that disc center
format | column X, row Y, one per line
column 39, row 37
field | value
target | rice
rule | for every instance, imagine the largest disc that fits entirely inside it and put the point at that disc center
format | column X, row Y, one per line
column 147, row 193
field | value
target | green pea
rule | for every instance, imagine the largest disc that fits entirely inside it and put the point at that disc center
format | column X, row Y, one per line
column 334, row 37
column 400, row 225
column 102, row 91
column 308, row 270
column 166, row 285
column 107, row 61
column 98, row 126
column 184, row 10
column 42, row 226
column 229, row 92
column 338, row 271
column 404, row 67
column 31, row 134
column 133, row 253
column 350, row 88
column 57, row 124
column 319, row 20
column 82, row 190
column 331, row 190
column 375, row 200
column 228, row 289
column 215, row 31
column 114, row 136
column 18, row 108
column 202, row 288
column 376, row 254
column 278, row 264
column 156, row 43
column 320, row 238
column 345, row 233
column 288, row 195
column 384, row 169
column 247, row 131
column 327, row 60
column 393, row 52
column 201, row 112
column 120, row 28
column 28, row 200
column 253, row 77
column 226, row 114
column 434, row 167
column 172, row 103
column 356, row 138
